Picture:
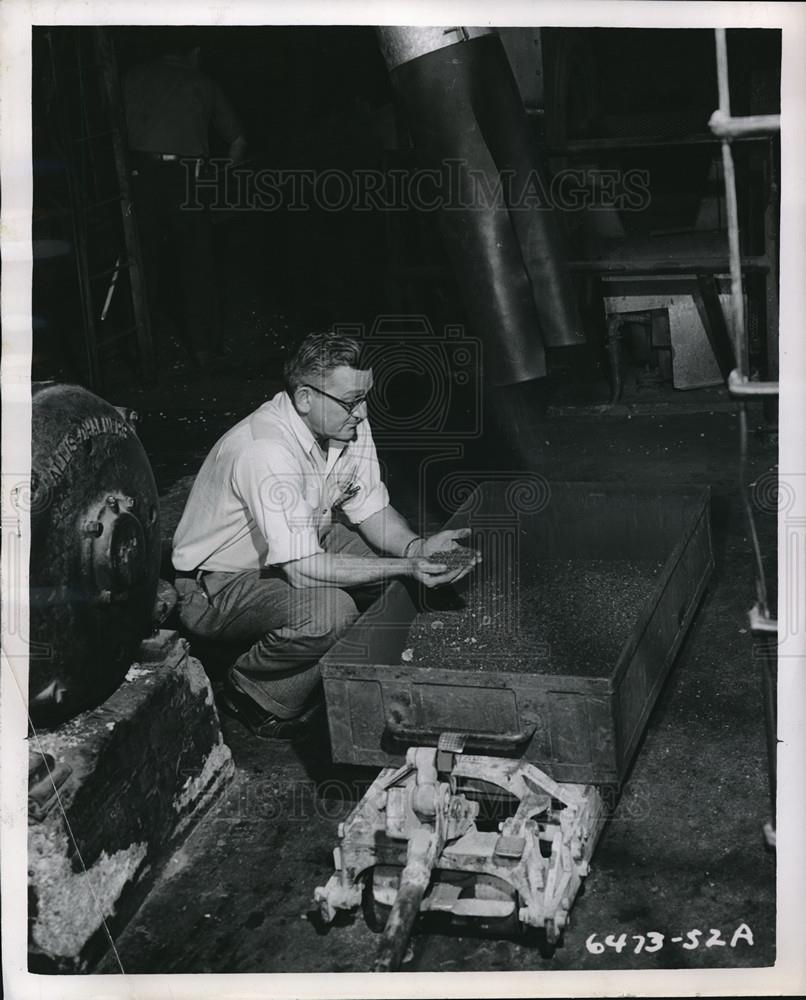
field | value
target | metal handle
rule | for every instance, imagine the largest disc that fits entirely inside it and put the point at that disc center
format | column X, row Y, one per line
column 403, row 732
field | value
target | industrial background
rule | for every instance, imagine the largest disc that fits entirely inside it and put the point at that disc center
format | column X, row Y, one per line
column 164, row 839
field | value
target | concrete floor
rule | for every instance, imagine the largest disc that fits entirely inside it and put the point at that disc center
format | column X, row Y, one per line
column 684, row 849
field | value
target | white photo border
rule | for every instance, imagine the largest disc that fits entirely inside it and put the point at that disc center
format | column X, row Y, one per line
column 788, row 977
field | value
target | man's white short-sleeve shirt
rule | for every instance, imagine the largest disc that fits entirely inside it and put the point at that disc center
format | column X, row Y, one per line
column 265, row 493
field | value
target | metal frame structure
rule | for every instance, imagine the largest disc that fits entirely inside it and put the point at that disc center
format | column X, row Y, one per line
column 413, row 844
column 762, row 624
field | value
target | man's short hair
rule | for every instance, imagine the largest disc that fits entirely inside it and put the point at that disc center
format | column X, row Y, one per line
column 318, row 354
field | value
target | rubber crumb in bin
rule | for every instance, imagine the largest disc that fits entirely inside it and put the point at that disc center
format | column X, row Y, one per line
column 569, row 617
column 452, row 558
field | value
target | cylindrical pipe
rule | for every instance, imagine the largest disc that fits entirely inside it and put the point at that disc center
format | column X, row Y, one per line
column 737, row 302
column 761, row 581
column 769, row 686
column 723, row 81
column 504, row 240
column 740, row 386
column 402, row 44
column 725, row 127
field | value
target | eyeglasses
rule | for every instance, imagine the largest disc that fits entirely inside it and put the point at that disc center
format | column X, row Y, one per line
column 349, row 407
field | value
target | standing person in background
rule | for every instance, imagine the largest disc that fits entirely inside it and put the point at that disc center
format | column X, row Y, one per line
column 171, row 108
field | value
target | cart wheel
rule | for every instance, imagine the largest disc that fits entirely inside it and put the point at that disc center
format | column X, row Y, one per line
column 529, row 936
column 375, row 914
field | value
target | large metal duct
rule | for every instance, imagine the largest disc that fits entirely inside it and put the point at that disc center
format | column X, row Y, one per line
column 463, row 107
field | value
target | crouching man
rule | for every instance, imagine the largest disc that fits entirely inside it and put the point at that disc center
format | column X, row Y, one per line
column 287, row 525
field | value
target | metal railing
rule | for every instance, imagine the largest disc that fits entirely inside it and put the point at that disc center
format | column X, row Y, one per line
column 727, row 128
column 762, row 624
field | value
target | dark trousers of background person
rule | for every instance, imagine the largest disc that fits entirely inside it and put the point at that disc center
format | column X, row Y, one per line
column 278, row 632
column 178, row 255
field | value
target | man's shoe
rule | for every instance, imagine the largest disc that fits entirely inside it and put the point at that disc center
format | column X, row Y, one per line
column 264, row 724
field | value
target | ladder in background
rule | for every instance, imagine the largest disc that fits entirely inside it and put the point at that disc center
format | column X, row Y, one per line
column 763, row 626
column 85, row 90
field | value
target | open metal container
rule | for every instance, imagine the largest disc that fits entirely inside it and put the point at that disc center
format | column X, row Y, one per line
column 582, row 729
